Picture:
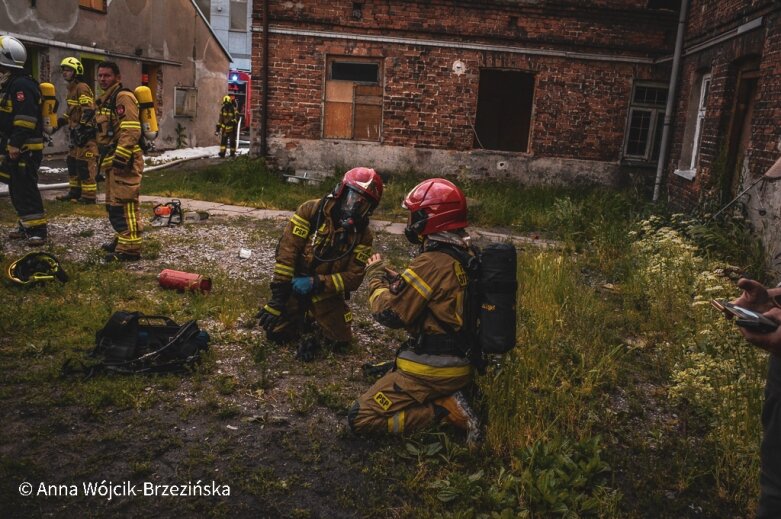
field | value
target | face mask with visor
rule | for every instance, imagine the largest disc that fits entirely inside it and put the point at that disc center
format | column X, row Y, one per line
column 354, row 208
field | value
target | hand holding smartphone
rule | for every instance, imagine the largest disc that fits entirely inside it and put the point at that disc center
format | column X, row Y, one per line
column 746, row 318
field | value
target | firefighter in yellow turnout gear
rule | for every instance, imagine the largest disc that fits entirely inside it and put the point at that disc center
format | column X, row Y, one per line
column 80, row 119
column 119, row 132
column 428, row 300
column 320, row 260
column 226, row 128
column 21, row 141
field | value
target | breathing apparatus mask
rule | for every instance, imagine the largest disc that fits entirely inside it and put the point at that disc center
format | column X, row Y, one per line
column 354, row 207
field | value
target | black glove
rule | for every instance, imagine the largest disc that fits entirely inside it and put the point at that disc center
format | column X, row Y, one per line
column 217, row 130
column 62, row 121
column 269, row 317
column 82, row 134
column 271, row 314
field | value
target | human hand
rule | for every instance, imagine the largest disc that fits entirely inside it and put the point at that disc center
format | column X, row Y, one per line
column 302, row 285
column 768, row 341
column 374, row 258
column 756, row 296
column 13, row 152
column 269, row 317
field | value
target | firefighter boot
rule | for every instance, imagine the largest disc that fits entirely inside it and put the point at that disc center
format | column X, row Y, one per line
column 308, row 349
column 109, row 246
column 72, row 194
column 457, row 411
column 17, row 234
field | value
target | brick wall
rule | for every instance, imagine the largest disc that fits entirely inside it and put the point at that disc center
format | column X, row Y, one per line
column 580, row 105
column 709, row 20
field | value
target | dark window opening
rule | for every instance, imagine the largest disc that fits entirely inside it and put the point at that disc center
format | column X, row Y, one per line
column 358, row 72
column 649, row 95
column 357, row 10
column 504, row 110
column 639, row 128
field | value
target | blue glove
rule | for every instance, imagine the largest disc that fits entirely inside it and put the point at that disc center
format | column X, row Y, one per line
column 303, row 285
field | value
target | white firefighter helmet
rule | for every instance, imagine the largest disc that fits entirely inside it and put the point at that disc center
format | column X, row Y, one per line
column 12, row 52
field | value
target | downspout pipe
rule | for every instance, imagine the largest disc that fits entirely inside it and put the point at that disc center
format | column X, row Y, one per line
column 671, row 91
column 264, row 86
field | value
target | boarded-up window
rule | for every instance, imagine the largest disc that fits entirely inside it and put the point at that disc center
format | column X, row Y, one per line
column 353, row 100
column 185, row 101
column 95, row 5
column 504, row 110
column 238, row 15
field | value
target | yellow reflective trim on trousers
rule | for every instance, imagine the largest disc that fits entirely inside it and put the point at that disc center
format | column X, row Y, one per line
column 417, row 283
column 127, row 241
column 417, row 368
column 376, row 294
column 3, row 174
column 322, row 297
column 130, row 217
column 33, row 223
column 32, row 146
column 74, row 182
column 396, row 423
column 123, row 152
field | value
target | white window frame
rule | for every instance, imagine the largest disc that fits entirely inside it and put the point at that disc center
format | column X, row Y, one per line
column 190, row 103
column 701, row 107
column 657, row 111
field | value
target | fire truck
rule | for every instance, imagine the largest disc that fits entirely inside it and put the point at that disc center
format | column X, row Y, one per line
column 240, row 88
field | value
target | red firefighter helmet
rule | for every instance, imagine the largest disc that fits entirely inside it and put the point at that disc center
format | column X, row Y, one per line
column 365, row 181
column 435, row 205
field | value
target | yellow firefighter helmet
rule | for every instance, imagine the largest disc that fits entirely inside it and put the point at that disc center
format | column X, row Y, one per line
column 73, row 63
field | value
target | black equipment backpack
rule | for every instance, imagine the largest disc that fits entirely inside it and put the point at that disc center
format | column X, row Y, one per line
column 497, row 286
column 132, row 342
column 490, row 296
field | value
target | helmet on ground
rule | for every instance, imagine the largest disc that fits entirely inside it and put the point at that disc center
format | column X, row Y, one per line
column 12, row 52
column 227, row 99
column 435, row 205
column 36, row 267
column 74, row 64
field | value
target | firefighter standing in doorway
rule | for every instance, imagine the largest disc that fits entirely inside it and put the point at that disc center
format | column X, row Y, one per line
column 80, row 118
column 119, row 133
column 226, row 128
column 21, row 141
column 428, row 300
column 320, row 260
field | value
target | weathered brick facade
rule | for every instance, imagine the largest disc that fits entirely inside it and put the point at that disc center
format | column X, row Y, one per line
column 584, row 62
column 739, row 44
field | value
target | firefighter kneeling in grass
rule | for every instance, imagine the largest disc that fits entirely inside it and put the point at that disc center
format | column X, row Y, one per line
column 428, row 300
column 119, row 133
column 320, row 259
